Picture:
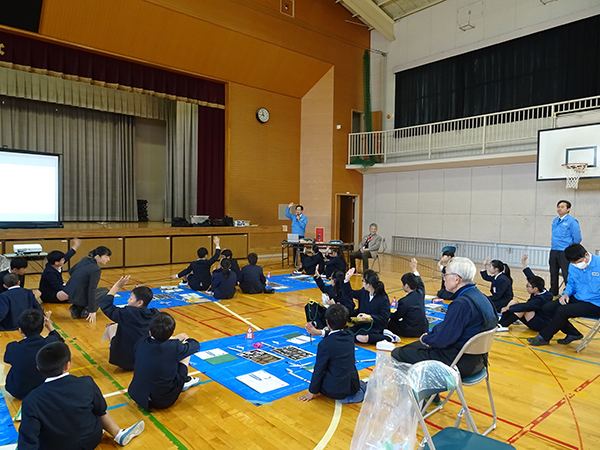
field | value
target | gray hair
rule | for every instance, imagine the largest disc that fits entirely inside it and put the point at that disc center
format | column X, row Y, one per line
column 463, row 267
column 373, row 225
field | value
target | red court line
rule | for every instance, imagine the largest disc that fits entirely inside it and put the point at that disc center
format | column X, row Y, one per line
column 201, row 323
column 529, row 427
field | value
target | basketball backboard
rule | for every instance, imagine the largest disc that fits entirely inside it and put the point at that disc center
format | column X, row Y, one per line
column 568, row 145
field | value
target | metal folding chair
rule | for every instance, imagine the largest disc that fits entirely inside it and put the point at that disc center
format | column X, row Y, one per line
column 428, row 378
column 590, row 334
column 477, row 345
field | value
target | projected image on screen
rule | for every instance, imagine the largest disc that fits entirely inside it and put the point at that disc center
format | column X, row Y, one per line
column 34, row 179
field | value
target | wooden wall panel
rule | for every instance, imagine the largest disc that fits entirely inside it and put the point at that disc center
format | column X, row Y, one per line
column 147, row 251
column 184, row 248
column 266, row 244
column 316, row 161
column 114, row 244
column 262, row 160
column 237, row 243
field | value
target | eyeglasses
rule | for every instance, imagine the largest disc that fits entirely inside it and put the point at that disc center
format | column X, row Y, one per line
column 452, row 273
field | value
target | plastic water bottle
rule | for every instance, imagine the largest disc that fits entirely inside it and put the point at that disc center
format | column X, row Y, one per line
column 394, row 303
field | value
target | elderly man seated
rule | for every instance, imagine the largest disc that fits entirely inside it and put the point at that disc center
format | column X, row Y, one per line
column 367, row 248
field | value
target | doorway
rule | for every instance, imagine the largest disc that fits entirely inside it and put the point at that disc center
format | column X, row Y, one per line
column 347, row 209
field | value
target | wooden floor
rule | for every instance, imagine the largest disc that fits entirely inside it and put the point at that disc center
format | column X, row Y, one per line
column 545, row 397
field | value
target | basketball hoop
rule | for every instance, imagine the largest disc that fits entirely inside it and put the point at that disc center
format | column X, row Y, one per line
column 574, row 172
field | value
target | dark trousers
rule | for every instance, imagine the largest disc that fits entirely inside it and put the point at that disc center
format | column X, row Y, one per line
column 562, row 313
column 415, row 351
column 295, row 252
column 557, row 261
column 537, row 323
column 362, row 255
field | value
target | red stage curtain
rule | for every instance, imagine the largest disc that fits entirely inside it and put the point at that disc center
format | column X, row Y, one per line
column 211, row 162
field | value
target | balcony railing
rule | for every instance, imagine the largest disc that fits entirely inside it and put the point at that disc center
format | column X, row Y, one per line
column 504, row 132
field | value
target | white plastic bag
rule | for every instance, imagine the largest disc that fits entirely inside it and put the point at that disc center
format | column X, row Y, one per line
column 387, row 420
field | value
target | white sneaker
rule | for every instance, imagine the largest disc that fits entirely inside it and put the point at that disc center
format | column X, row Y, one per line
column 126, row 435
column 394, row 338
column 296, row 272
column 193, row 381
column 501, row 329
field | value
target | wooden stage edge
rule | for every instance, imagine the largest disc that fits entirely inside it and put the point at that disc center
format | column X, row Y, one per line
column 147, row 243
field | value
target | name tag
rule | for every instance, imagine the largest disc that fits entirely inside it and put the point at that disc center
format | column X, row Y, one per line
column 595, row 274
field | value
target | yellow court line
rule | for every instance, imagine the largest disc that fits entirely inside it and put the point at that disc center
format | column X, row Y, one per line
column 237, row 315
column 335, row 420
column 81, row 368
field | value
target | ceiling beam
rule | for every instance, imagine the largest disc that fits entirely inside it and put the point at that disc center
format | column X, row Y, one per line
column 373, row 15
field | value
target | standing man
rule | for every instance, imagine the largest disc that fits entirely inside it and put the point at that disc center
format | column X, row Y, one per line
column 565, row 232
column 299, row 222
column 367, row 248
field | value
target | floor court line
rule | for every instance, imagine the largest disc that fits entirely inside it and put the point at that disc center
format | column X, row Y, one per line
column 335, row 420
column 201, row 323
column 238, row 316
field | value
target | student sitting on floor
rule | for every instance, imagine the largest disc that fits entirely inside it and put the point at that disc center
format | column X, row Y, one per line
column 160, row 372
column 501, row 288
column 373, row 312
column 332, row 294
column 67, row 412
column 224, row 281
column 252, row 280
column 334, row 260
column 409, row 319
column 133, row 321
column 23, row 375
column 531, row 312
column 311, row 263
column 235, row 267
column 197, row 274
column 13, row 302
column 18, row 266
column 82, row 288
column 51, row 282
column 334, row 374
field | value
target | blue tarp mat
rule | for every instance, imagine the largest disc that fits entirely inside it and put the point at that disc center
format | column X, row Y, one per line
column 289, row 283
column 161, row 303
column 434, row 316
column 8, row 432
column 226, row 373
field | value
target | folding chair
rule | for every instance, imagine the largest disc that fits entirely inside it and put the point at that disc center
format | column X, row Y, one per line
column 428, row 378
column 590, row 334
column 477, row 345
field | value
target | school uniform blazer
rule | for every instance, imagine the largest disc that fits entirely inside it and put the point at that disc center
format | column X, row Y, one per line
column 51, row 281
column 235, row 267
column 310, row 263
column 199, row 280
column 378, row 308
column 334, row 263
column 134, row 323
column 23, row 375
column 156, row 368
column 535, row 302
column 252, row 280
column 82, row 285
column 343, row 299
column 223, row 287
column 411, row 309
column 334, row 374
column 62, row 414
column 501, row 289
column 12, row 303
column 6, row 272
column 373, row 246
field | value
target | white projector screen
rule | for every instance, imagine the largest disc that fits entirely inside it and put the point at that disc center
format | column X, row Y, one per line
column 30, row 182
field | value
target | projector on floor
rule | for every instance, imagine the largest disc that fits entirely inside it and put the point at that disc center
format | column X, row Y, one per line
column 25, row 249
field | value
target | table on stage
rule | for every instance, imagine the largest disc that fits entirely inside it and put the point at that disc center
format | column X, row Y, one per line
column 37, row 257
column 286, row 246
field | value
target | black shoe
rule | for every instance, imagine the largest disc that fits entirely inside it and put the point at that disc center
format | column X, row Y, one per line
column 570, row 338
column 84, row 313
column 537, row 341
column 269, row 291
column 74, row 312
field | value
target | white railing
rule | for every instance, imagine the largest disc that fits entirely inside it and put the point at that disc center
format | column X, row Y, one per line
column 509, row 131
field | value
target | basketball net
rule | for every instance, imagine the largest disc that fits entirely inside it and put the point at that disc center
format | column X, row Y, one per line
column 574, row 172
